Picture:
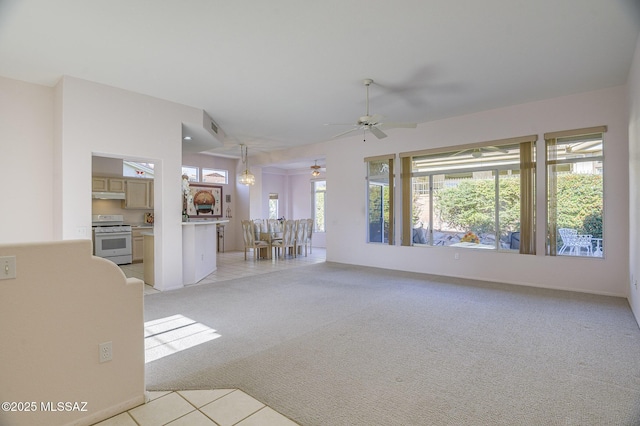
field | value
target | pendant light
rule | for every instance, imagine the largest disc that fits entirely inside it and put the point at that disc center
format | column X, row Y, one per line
column 246, row 177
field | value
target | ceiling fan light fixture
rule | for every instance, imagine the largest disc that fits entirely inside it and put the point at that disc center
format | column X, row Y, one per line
column 476, row 153
column 246, row 177
column 315, row 169
column 372, row 123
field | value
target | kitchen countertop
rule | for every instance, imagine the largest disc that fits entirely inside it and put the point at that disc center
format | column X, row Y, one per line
column 205, row 222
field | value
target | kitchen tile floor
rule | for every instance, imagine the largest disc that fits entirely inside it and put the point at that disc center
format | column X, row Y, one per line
column 231, row 265
column 221, row 407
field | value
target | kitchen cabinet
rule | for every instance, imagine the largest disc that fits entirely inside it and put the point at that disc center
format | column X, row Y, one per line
column 137, row 243
column 103, row 184
column 138, row 194
column 149, row 262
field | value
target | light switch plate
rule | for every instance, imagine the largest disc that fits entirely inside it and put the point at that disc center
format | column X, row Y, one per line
column 7, row 267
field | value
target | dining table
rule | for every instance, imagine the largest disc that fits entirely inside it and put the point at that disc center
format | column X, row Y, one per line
column 269, row 237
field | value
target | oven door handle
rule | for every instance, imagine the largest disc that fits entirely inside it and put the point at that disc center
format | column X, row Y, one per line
column 114, row 234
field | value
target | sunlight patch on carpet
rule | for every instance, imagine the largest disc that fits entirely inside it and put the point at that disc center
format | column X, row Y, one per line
column 167, row 336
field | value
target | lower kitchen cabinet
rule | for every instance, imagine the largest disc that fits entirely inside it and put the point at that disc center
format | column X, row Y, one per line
column 137, row 244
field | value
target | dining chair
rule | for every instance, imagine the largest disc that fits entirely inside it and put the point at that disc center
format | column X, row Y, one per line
column 301, row 236
column 251, row 242
column 309, row 233
column 274, row 226
column 288, row 239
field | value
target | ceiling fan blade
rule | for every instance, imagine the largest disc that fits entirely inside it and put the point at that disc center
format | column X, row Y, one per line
column 494, row 149
column 398, row 125
column 375, row 119
column 455, row 154
column 377, row 132
column 346, row 132
column 339, row 124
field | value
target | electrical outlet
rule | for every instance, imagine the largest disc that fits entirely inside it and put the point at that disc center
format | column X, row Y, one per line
column 106, row 352
column 7, row 267
column 456, row 256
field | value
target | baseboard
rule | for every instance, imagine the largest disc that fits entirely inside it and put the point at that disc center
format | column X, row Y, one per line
column 109, row 412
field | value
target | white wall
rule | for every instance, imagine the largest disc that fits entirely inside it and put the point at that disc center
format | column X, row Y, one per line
column 277, row 183
column 634, row 181
column 111, row 122
column 346, row 239
column 346, row 204
column 26, row 166
column 294, row 195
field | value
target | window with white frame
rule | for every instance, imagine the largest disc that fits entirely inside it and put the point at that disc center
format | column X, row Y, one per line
column 215, row 176
column 137, row 169
column 191, row 172
column 319, row 190
column 273, row 205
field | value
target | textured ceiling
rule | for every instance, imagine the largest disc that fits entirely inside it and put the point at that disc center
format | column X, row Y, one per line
column 272, row 73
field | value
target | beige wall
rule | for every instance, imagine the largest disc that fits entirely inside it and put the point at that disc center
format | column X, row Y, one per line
column 26, row 166
column 53, row 317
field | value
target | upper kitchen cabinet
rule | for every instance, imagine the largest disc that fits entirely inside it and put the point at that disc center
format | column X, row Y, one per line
column 103, row 184
column 138, row 194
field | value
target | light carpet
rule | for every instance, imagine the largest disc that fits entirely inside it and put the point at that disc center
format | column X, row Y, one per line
column 334, row 344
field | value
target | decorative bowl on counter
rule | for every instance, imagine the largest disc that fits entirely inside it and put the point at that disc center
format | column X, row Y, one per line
column 148, row 218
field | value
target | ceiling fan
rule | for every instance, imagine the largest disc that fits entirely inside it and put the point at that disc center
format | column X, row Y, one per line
column 372, row 123
column 479, row 152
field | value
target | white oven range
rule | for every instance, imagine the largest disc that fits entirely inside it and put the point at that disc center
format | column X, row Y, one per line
column 111, row 238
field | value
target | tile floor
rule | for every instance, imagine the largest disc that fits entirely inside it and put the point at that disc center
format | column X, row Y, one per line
column 231, row 265
column 221, row 407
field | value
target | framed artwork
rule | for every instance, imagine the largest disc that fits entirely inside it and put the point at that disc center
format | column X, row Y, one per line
column 204, row 201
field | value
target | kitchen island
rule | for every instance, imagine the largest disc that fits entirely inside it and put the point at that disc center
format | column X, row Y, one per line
column 199, row 247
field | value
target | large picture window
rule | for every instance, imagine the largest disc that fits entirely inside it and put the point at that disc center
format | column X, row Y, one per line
column 479, row 196
column 380, row 199
column 575, row 192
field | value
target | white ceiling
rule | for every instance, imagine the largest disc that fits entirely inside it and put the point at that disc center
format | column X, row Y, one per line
column 272, row 73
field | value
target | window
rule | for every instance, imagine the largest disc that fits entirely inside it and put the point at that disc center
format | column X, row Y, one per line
column 191, row 172
column 575, row 198
column 273, row 206
column 479, row 196
column 380, row 199
column 319, row 188
column 215, row 176
column 137, row 169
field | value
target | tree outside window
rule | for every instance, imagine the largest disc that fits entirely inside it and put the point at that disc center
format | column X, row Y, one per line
column 575, row 197
column 478, row 197
column 380, row 200
column 319, row 188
